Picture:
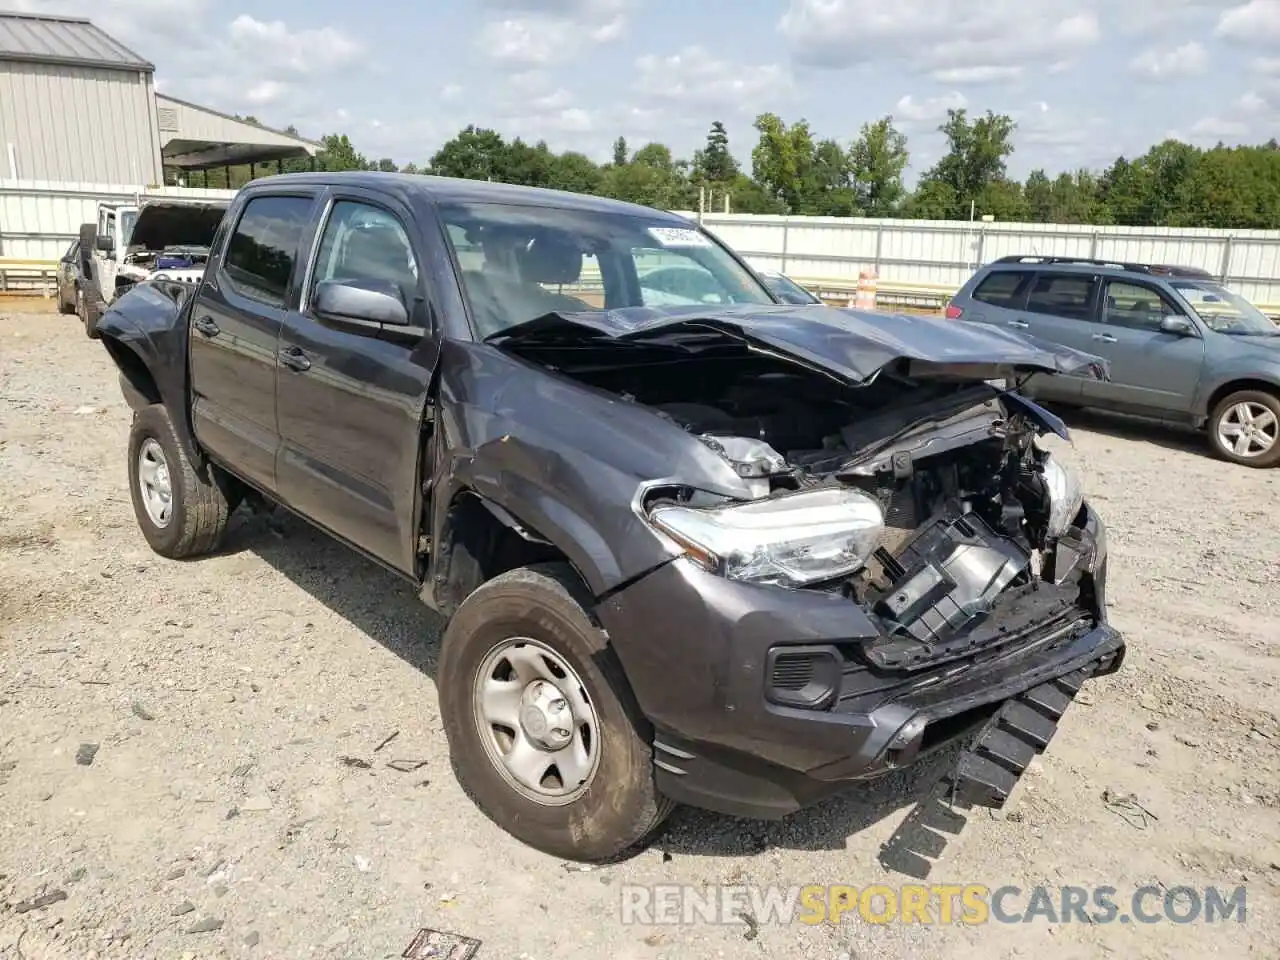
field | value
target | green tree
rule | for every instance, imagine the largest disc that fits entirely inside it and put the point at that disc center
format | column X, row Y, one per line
column 977, row 155
column 476, row 153
column 716, row 163
column 620, row 152
column 877, row 161
column 339, row 154
column 1038, row 191
column 783, row 159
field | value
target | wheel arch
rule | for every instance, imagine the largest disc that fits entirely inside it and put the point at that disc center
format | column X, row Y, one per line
column 1235, row 386
column 479, row 540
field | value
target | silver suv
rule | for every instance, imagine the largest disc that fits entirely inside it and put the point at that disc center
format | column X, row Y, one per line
column 1181, row 346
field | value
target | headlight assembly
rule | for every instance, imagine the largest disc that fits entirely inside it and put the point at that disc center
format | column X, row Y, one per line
column 792, row 540
column 1065, row 496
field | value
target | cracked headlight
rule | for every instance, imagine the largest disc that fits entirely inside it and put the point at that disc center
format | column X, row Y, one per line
column 792, row 540
column 1065, row 495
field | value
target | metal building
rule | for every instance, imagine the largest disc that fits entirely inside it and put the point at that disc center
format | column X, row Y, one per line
column 77, row 106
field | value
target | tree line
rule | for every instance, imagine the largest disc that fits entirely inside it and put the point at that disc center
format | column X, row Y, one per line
column 793, row 171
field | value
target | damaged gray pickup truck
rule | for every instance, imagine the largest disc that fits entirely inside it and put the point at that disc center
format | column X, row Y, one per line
column 693, row 545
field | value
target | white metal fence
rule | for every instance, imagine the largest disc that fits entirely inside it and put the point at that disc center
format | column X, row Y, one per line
column 39, row 219
column 947, row 252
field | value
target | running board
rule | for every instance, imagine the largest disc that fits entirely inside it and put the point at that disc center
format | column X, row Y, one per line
column 984, row 775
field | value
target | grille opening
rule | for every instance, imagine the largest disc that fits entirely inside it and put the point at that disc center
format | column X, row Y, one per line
column 793, row 671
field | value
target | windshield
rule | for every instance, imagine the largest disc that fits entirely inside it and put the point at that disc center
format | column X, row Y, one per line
column 787, row 290
column 1223, row 310
column 522, row 262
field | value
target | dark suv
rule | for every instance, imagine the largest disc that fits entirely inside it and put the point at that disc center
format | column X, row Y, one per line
column 1181, row 346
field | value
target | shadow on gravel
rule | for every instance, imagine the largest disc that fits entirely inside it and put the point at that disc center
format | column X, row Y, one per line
column 1172, row 436
column 371, row 598
column 386, row 608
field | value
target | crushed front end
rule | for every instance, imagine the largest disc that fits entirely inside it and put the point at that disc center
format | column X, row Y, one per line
column 883, row 595
column 880, row 557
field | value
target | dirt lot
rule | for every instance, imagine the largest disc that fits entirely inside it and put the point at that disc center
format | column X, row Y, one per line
column 224, row 694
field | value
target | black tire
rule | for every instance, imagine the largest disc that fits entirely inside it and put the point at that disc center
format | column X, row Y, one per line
column 90, row 309
column 621, row 805
column 200, row 506
column 1259, row 398
column 64, row 307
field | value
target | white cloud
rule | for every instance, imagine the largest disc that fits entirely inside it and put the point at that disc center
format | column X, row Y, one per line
column 938, row 36
column 696, row 79
column 1256, row 23
column 273, row 46
column 1189, row 60
column 1269, row 66
column 976, row 75
column 910, row 113
column 450, row 91
column 542, row 32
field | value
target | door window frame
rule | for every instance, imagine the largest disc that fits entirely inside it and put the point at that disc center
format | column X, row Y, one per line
column 419, row 307
column 1104, row 316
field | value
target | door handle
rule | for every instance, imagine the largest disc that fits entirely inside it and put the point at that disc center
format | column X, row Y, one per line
column 1020, row 324
column 294, row 359
column 1104, row 337
column 206, row 326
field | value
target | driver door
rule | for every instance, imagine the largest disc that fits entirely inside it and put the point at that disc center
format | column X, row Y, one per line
column 352, row 399
column 1151, row 370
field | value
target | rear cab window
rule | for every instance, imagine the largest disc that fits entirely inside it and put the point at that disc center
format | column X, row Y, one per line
column 1066, row 295
column 263, row 249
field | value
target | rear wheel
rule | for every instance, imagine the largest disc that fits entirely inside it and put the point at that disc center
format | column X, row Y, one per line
column 1245, row 428
column 544, row 732
column 181, row 513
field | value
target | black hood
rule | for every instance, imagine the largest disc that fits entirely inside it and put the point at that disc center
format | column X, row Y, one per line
column 161, row 225
column 851, row 345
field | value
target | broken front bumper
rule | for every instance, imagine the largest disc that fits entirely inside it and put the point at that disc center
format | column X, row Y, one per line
column 763, row 699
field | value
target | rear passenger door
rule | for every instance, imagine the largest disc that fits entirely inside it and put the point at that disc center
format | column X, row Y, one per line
column 1151, row 370
column 235, row 323
column 352, row 398
column 1061, row 308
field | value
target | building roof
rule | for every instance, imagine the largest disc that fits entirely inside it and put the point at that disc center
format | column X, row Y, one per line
column 40, row 38
column 197, row 138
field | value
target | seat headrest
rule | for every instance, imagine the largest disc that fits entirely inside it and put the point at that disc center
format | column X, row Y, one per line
column 547, row 260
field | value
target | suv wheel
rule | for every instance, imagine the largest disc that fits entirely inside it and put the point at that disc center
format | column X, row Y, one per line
column 543, row 730
column 1245, row 428
column 181, row 513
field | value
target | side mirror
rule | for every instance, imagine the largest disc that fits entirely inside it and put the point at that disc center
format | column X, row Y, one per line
column 1180, row 326
column 105, row 242
column 367, row 301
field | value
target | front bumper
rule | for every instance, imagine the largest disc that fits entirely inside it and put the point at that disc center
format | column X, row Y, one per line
column 699, row 651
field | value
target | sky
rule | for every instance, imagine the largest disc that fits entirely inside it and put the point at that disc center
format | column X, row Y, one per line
column 1086, row 80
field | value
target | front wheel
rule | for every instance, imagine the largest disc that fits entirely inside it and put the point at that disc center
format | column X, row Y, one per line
column 545, row 735
column 1245, row 428
column 181, row 513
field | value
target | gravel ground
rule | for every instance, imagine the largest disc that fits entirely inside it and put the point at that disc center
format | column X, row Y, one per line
column 271, row 778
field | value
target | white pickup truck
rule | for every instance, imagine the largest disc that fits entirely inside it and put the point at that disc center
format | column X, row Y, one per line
column 156, row 238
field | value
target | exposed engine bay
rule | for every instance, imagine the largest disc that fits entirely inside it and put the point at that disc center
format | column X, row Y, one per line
column 170, row 240
column 965, row 494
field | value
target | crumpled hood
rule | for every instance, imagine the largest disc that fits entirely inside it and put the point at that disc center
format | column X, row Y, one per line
column 161, row 225
column 852, row 345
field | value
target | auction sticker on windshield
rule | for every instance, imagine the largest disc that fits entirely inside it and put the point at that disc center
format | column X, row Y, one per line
column 678, row 237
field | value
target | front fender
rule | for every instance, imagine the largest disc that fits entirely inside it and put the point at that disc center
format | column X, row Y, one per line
column 145, row 333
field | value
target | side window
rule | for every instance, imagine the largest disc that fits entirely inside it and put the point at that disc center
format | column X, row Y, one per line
column 1004, row 288
column 1068, row 295
column 364, row 243
column 264, row 247
column 1136, row 306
